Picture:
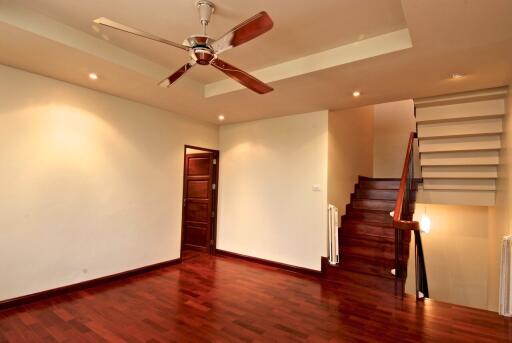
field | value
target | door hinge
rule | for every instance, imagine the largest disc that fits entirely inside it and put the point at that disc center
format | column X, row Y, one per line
column 212, row 242
column 214, row 161
column 213, row 214
column 214, row 186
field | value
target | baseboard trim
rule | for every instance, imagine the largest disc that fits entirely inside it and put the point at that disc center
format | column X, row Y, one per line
column 279, row 265
column 24, row 299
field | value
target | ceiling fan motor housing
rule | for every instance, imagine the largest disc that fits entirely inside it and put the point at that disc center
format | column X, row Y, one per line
column 201, row 51
column 202, row 56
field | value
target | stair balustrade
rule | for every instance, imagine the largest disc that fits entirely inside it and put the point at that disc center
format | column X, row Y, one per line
column 402, row 221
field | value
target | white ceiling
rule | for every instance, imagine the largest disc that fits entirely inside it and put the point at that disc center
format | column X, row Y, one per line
column 473, row 37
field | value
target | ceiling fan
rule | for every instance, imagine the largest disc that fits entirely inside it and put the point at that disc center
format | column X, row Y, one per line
column 204, row 50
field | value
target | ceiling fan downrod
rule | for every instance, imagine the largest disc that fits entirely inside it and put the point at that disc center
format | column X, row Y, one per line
column 205, row 9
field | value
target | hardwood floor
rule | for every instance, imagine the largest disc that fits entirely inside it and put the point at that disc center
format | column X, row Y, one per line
column 223, row 299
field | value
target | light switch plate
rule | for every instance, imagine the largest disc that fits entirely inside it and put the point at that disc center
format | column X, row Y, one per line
column 316, row 188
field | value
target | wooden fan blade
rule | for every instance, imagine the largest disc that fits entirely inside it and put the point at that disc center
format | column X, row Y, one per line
column 179, row 73
column 112, row 24
column 244, row 32
column 242, row 77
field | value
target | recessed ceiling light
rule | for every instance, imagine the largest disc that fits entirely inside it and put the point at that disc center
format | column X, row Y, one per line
column 457, row 76
column 221, row 117
column 356, row 93
column 93, row 76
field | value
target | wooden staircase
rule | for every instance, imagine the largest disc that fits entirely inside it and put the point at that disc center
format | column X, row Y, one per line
column 367, row 237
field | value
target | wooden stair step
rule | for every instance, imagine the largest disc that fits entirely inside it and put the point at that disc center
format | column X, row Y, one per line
column 368, row 237
column 370, row 249
column 360, row 228
column 371, row 204
column 379, row 184
column 378, row 217
column 348, row 278
column 377, row 194
column 368, row 266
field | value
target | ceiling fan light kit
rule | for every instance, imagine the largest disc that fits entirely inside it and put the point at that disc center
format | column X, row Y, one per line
column 204, row 50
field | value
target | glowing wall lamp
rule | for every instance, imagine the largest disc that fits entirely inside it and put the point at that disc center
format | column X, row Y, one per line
column 425, row 222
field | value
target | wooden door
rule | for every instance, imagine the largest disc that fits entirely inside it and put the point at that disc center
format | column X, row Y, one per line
column 198, row 214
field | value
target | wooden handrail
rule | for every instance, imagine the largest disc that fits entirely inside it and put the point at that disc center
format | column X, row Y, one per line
column 397, row 221
column 406, row 225
column 401, row 223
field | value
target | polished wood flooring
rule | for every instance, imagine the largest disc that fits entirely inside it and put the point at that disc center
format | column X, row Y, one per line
column 223, row 299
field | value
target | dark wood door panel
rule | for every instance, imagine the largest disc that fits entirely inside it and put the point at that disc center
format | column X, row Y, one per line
column 198, row 166
column 198, row 189
column 196, row 234
column 197, row 210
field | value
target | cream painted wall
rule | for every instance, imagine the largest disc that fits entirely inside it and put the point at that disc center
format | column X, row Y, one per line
column 500, row 221
column 456, row 254
column 394, row 122
column 267, row 206
column 350, row 152
column 91, row 183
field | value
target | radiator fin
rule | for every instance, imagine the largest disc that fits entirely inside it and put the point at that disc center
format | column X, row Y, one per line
column 333, row 242
column 506, row 277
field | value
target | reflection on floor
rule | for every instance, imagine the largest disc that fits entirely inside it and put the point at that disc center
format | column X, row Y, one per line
column 221, row 299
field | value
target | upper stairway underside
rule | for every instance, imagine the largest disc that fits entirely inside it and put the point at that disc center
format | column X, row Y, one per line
column 459, row 137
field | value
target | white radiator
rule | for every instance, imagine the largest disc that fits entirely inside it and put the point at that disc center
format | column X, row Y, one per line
column 334, row 254
column 506, row 277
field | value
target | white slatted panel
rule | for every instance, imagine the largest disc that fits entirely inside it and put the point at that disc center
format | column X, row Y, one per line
column 506, row 278
column 333, row 241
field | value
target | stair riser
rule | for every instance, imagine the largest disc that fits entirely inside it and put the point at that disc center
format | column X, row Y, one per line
column 369, row 269
column 370, row 217
column 377, row 194
column 382, row 269
column 387, row 252
column 379, row 184
column 350, row 278
column 369, row 245
column 368, row 231
column 375, row 205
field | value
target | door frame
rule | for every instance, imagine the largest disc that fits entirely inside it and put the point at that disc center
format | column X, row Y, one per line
column 215, row 194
